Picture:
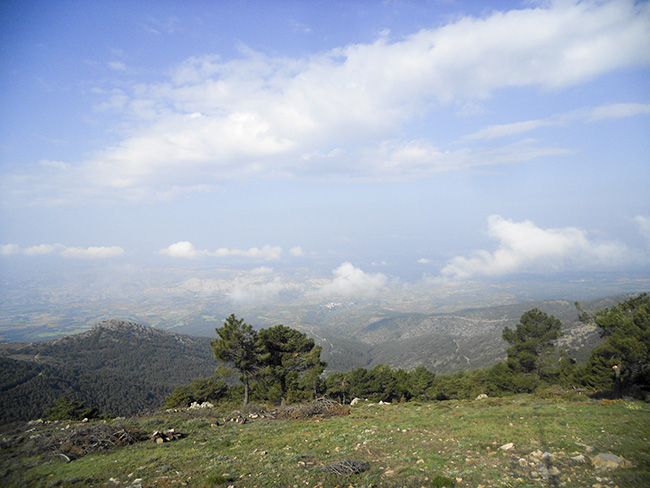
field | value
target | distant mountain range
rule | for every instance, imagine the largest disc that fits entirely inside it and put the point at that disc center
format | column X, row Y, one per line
column 445, row 343
column 122, row 367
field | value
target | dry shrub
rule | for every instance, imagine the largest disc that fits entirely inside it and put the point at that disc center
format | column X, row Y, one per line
column 346, row 467
column 74, row 443
column 320, row 408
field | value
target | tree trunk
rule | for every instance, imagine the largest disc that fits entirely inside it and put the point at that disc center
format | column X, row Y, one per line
column 245, row 391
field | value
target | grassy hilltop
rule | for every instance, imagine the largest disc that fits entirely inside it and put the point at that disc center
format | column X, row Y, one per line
column 453, row 443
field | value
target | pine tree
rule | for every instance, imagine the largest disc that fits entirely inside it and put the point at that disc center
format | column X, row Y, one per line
column 238, row 345
column 532, row 342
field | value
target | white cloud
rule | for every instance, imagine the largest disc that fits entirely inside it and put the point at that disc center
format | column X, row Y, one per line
column 618, row 110
column 117, row 65
column 524, row 247
column 351, row 281
column 502, row 130
column 41, row 249
column 587, row 114
column 273, row 116
column 9, row 249
column 185, row 249
column 100, row 252
column 643, row 224
column 297, row 251
column 182, row 249
column 267, row 252
column 258, row 292
column 92, row 252
column 262, row 270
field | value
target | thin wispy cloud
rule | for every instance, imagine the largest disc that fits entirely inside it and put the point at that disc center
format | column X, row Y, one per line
column 93, row 252
column 333, row 114
column 596, row 114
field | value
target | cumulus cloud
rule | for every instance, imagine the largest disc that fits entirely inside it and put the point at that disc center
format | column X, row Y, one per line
column 98, row 252
column 182, row 249
column 297, row 251
column 525, row 247
column 273, row 116
column 351, row 281
column 185, row 249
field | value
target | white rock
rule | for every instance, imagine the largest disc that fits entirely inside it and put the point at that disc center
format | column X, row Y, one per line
column 579, row 458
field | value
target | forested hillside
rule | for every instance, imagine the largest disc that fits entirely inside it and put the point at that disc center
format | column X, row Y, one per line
column 118, row 367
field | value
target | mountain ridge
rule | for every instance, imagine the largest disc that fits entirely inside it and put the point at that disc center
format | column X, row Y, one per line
column 124, row 367
column 120, row 367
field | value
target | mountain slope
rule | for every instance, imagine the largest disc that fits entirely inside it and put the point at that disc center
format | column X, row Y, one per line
column 445, row 343
column 119, row 367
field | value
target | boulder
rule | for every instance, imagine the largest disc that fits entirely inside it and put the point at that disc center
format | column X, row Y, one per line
column 609, row 461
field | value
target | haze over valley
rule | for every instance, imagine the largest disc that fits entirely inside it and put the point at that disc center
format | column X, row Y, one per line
column 327, row 167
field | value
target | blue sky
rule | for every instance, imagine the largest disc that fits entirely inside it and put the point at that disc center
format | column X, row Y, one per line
column 362, row 142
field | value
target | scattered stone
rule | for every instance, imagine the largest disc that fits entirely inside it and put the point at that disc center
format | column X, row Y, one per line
column 482, row 396
column 609, row 461
column 196, row 405
column 507, row 447
column 355, row 401
column 553, row 471
column 579, row 458
column 543, row 471
column 522, row 462
column 165, row 436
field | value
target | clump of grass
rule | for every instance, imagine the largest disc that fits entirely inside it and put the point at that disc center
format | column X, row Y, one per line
column 218, row 479
column 440, row 481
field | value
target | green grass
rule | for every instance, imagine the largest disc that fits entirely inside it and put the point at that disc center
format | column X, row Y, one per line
column 439, row 444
